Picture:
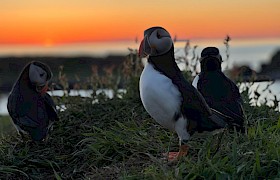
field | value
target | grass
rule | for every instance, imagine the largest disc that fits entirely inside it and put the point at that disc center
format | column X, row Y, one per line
column 5, row 125
column 116, row 139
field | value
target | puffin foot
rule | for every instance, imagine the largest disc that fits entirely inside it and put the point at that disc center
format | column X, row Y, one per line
column 175, row 156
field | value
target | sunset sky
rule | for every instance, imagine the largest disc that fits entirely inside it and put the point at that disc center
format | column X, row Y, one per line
column 47, row 22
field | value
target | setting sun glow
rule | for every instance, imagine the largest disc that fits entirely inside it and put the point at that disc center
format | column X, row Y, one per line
column 70, row 21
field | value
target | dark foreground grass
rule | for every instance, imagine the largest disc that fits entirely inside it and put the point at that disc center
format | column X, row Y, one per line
column 6, row 125
column 116, row 139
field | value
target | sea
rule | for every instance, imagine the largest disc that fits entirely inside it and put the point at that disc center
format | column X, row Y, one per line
column 250, row 52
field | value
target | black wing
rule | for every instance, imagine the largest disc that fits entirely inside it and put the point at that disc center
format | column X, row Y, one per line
column 193, row 104
column 50, row 107
column 12, row 104
column 222, row 95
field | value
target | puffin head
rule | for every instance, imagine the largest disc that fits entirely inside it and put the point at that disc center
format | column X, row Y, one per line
column 157, row 41
column 39, row 76
column 211, row 59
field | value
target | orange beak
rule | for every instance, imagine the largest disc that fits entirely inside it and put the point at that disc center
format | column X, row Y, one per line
column 45, row 89
column 141, row 51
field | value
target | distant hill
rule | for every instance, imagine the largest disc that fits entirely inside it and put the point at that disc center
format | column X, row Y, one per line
column 273, row 68
column 73, row 67
column 268, row 72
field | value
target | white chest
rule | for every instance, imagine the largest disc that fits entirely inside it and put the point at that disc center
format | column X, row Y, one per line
column 160, row 96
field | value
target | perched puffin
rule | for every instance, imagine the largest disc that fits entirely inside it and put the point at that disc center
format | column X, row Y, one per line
column 168, row 97
column 219, row 91
column 30, row 107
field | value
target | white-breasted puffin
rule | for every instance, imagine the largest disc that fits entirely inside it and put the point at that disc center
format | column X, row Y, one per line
column 218, row 90
column 30, row 107
column 168, row 97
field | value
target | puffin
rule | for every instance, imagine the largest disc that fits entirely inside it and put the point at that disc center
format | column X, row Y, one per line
column 218, row 90
column 168, row 97
column 31, row 108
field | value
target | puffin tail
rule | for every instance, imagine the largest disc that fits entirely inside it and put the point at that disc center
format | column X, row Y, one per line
column 223, row 121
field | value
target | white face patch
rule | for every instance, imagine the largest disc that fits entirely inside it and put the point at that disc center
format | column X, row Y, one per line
column 37, row 75
column 157, row 41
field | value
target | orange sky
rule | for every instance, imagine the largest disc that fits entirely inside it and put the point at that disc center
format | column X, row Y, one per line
column 48, row 22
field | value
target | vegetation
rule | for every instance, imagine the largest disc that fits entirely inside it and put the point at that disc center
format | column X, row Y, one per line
column 102, row 138
column 78, row 69
column 5, row 125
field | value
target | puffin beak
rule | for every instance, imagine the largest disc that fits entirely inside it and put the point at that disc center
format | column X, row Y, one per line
column 144, row 47
column 45, row 89
column 42, row 89
column 141, row 51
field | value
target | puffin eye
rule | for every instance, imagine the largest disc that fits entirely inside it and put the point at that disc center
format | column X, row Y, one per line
column 42, row 74
column 158, row 35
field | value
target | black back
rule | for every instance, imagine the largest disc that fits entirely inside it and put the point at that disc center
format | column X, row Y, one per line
column 221, row 94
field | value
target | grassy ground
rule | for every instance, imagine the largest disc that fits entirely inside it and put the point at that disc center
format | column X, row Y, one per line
column 117, row 139
column 6, row 126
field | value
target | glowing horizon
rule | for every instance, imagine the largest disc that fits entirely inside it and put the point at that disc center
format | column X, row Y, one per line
column 53, row 22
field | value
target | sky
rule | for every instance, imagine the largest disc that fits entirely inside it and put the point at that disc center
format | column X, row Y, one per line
column 50, row 22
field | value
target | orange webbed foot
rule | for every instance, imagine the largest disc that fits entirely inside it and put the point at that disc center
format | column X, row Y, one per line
column 175, row 156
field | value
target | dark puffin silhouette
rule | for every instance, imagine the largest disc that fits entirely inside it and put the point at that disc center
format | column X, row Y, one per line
column 30, row 107
column 219, row 91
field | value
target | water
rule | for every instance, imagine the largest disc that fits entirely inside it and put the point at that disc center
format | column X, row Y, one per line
column 3, row 104
column 252, row 52
column 268, row 92
column 83, row 93
column 267, row 95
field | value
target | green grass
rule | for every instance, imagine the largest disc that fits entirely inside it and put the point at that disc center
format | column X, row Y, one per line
column 6, row 126
column 117, row 139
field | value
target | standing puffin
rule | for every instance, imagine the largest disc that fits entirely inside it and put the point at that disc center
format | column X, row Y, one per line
column 30, row 107
column 168, row 97
column 219, row 91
